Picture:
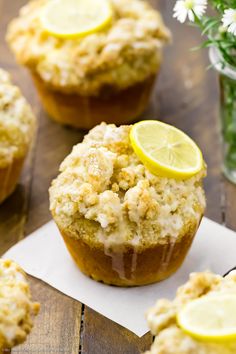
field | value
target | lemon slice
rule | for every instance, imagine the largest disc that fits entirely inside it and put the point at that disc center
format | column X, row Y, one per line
column 75, row 18
column 165, row 150
column 210, row 317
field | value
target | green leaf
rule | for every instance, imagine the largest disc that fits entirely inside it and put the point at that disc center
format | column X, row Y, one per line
column 210, row 25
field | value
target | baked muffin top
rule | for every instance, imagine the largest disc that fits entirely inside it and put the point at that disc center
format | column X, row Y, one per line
column 17, row 121
column 170, row 338
column 124, row 54
column 106, row 195
column 16, row 308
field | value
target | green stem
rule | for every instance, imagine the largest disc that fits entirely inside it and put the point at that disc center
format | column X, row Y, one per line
column 230, row 59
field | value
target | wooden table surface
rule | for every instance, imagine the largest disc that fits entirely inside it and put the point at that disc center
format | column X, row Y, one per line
column 186, row 95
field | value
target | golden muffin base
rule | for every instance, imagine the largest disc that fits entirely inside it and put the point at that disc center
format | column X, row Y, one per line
column 9, row 177
column 130, row 268
column 83, row 112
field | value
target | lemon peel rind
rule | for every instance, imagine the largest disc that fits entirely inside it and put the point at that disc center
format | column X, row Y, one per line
column 225, row 336
column 161, row 169
column 63, row 35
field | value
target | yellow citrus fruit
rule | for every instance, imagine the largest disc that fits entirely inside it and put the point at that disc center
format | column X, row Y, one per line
column 75, row 18
column 210, row 317
column 165, row 150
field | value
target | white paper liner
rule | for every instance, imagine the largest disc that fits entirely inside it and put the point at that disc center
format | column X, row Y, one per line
column 44, row 255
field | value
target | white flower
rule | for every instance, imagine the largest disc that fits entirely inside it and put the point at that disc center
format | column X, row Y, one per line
column 187, row 8
column 229, row 20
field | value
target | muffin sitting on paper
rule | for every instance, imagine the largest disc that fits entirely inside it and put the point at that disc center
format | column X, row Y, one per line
column 123, row 224
column 16, row 307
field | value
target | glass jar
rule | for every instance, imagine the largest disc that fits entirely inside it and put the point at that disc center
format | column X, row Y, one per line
column 227, row 80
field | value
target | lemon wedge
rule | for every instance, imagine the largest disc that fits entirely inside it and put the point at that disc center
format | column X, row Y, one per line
column 210, row 317
column 165, row 150
column 75, row 18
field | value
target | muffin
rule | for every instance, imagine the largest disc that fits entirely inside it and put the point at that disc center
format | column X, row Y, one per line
column 122, row 224
column 162, row 318
column 17, row 127
column 16, row 307
column 107, row 75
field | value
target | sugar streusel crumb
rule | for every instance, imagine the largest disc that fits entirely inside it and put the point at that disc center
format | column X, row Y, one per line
column 123, row 54
column 17, row 121
column 16, row 307
column 170, row 339
column 102, row 181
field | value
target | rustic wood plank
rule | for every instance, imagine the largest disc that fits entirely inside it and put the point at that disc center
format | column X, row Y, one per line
column 56, row 329
column 104, row 336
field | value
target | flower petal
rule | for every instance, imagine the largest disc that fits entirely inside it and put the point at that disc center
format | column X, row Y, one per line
column 187, row 8
column 229, row 20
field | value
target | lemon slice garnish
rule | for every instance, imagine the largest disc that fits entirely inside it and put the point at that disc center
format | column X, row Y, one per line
column 210, row 317
column 75, row 18
column 165, row 150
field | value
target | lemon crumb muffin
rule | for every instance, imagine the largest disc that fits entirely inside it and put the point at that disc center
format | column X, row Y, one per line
column 16, row 307
column 122, row 224
column 107, row 75
column 17, row 126
column 162, row 318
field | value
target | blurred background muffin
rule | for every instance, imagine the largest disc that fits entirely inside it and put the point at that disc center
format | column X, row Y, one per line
column 17, row 127
column 16, row 307
column 206, row 287
column 106, row 75
column 122, row 224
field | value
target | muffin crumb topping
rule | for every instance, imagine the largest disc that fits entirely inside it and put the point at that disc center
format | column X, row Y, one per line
column 103, row 181
column 17, row 121
column 16, row 307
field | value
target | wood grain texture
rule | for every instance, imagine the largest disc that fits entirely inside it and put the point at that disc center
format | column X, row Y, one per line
column 104, row 336
column 57, row 328
column 186, row 95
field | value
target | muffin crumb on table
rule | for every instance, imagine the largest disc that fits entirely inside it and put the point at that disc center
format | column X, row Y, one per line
column 107, row 201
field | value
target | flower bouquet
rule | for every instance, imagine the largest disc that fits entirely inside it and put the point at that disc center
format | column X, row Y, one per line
column 219, row 28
